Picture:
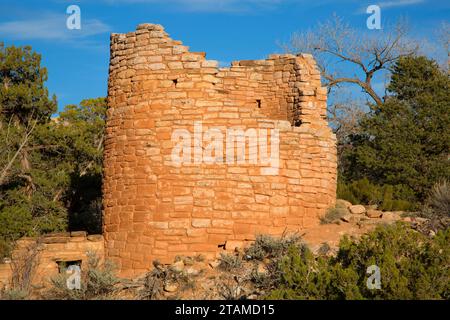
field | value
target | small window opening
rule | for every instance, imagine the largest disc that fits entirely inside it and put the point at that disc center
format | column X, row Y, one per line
column 297, row 123
column 175, row 81
column 63, row 266
column 258, row 103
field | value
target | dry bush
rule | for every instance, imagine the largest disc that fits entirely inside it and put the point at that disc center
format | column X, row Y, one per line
column 23, row 265
column 229, row 262
column 269, row 247
column 439, row 199
column 97, row 282
column 437, row 208
column 156, row 279
column 333, row 215
column 231, row 287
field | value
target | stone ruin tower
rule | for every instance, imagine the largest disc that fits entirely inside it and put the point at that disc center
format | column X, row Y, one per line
column 156, row 208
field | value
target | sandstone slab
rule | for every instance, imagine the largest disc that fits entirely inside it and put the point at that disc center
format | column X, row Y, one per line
column 357, row 209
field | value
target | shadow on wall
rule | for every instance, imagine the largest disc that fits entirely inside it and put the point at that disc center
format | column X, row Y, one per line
column 85, row 210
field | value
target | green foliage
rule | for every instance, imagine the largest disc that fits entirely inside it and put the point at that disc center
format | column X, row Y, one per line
column 386, row 197
column 23, row 95
column 50, row 169
column 82, row 130
column 27, row 188
column 5, row 249
column 14, row 222
column 302, row 276
column 412, row 266
column 404, row 142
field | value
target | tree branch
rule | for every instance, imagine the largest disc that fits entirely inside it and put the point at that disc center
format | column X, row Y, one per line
column 5, row 170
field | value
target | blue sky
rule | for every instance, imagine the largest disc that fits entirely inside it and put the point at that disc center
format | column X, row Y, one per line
column 77, row 60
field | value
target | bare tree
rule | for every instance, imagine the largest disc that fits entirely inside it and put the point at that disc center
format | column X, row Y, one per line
column 20, row 149
column 348, row 56
column 444, row 39
column 24, row 262
column 344, row 116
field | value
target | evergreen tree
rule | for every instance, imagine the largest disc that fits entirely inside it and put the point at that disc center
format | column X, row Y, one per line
column 405, row 141
column 50, row 169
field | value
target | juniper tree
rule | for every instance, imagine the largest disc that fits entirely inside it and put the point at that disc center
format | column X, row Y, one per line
column 405, row 141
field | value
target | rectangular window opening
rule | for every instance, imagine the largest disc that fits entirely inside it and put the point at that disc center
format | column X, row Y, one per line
column 64, row 265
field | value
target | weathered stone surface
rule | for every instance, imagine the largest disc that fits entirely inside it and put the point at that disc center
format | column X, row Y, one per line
column 156, row 209
column 178, row 266
column 214, row 264
column 171, row 287
column 55, row 239
column 150, row 26
column 391, row 216
column 56, row 235
column 192, row 271
column 261, row 269
column 78, row 234
column 233, row 245
column 346, row 218
column 351, row 218
column 95, row 237
column 374, row 213
column 357, row 209
column 49, row 250
column 343, row 204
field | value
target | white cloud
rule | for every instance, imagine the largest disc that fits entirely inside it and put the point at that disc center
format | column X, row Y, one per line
column 399, row 3
column 390, row 4
column 50, row 26
column 231, row 6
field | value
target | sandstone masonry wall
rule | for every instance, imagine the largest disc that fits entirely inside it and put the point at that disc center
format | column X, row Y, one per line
column 46, row 252
column 154, row 209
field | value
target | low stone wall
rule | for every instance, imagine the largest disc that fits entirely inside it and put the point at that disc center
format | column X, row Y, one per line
column 5, row 274
column 45, row 254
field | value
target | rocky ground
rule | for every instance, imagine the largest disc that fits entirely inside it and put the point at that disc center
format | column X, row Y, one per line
column 351, row 220
column 232, row 276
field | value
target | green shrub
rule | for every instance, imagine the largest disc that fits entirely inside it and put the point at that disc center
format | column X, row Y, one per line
column 5, row 249
column 404, row 140
column 15, row 222
column 412, row 266
column 301, row 275
column 387, row 197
